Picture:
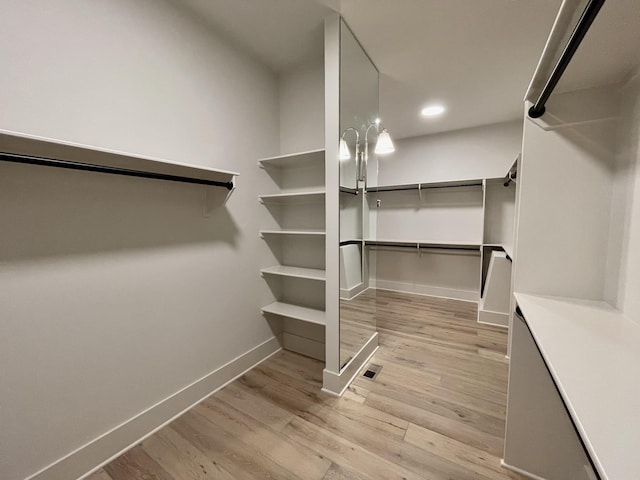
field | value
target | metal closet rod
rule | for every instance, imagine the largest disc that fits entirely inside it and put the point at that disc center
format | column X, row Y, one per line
column 423, row 186
column 582, row 27
column 426, row 246
column 350, row 242
column 49, row 162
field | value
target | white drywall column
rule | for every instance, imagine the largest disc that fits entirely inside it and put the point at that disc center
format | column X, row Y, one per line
column 332, row 134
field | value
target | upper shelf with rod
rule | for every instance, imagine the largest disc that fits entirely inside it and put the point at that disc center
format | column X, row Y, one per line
column 426, row 185
column 552, row 67
column 422, row 244
column 28, row 149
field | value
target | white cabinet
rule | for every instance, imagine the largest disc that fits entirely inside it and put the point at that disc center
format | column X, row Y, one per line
column 540, row 436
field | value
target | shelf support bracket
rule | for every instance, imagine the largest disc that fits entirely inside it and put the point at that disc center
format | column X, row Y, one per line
column 213, row 198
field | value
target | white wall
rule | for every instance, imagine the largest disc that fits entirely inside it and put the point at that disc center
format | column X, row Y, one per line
column 116, row 292
column 438, row 215
column 440, row 273
column 565, row 192
column 480, row 152
column 301, row 93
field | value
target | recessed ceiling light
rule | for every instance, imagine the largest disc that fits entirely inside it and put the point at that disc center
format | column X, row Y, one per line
column 432, row 110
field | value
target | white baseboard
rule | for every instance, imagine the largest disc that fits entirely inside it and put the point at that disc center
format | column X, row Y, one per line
column 428, row 290
column 497, row 319
column 336, row 383
column 364, row 289
column 350, row 293
column 520, row 471
column 98, row 452
column 304, row 346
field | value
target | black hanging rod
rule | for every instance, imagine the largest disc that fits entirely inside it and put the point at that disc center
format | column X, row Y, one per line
column 425, row 186
column 350, row 191
column 426, row 246
column 350, row 242
column 49, row 162
column 582, row 27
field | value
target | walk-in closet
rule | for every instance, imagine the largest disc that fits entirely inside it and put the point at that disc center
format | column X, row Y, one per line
column 319, row 239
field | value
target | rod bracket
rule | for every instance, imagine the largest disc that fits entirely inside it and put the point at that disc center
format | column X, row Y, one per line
column 533, row 113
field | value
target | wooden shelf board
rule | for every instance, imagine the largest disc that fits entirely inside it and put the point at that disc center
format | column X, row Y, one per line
column 292, row 160
column 294, row 311
column 592, row 351
column 295, row 272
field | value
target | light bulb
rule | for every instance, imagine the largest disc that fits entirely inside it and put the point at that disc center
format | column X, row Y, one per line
column 433, row 111
column 384, row 144
column 344, row 154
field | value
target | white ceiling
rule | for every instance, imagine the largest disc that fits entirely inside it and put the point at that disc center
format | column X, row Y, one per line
column 475, row 56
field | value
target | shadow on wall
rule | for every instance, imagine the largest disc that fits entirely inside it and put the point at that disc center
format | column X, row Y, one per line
column 49, row 212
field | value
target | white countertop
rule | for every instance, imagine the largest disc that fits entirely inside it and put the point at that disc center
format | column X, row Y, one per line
column 593, row 353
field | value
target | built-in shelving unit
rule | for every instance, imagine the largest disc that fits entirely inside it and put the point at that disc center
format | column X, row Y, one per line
column 288, row 310
column 576, row 279
column 297, row 241
column 295, row 272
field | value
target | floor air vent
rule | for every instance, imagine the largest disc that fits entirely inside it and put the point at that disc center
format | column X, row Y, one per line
column 371, row 371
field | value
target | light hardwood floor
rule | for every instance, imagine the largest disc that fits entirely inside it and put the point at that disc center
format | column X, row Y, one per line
column 435, row 411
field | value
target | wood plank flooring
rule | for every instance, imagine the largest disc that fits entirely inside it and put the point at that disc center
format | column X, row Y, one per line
column 436, row 410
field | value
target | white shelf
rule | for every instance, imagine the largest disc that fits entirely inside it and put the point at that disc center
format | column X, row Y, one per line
column 295, row 272
column 593, row 354
column 312, row 233
column 292, row 160
column 294, row 311
column 22, row 144
column 288, row 198
column 475, row 182
column 505, row 246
